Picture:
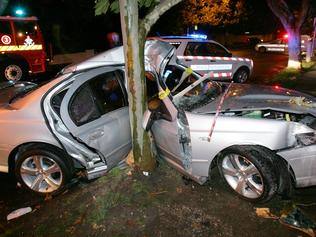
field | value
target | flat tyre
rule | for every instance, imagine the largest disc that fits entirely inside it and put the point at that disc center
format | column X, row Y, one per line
column 248, row 173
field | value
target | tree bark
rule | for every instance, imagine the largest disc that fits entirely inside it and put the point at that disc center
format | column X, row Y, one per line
column 133, row 41
column 134, row 32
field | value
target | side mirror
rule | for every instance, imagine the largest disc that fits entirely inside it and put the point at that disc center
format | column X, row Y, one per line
column 148, row 120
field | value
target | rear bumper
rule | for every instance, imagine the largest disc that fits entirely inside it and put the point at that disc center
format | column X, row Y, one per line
column 303, row 162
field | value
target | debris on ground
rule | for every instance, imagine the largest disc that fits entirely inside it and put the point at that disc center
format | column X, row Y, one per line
column 145, row 173
column 293, row 219
column 265, row 213
column 130, row 159
column 19, row 212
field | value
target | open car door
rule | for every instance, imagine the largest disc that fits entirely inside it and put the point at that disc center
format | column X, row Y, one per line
column 95, row 111
column 169, row 128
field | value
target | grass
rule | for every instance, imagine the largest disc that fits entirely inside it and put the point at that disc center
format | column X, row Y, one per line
column 289, row 77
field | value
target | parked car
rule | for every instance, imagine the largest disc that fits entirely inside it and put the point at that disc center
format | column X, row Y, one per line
column 280, row 45
column 263, row 141
column 205, row 56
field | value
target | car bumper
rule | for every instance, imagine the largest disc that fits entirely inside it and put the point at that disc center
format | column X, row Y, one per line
column 303, row 162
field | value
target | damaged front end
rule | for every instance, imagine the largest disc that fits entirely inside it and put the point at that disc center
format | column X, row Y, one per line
column 300, row 152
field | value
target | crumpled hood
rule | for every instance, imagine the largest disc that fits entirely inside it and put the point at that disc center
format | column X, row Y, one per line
column 254, row 97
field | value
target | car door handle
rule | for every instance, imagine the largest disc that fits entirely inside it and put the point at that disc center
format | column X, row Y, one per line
column 96, row 134
column 188, row 60
column 212, row 61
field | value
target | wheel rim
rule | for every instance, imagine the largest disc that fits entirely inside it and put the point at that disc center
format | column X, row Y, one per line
column 243, row 176
column 242, row 76
column 13, row 72
column 41, row 174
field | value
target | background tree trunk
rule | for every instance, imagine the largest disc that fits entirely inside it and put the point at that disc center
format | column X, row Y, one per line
column 292, row 15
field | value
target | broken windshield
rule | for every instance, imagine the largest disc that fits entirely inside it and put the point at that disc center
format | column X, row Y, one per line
column 188, row 89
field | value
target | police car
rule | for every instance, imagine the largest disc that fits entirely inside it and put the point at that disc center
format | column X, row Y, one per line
column 281, row 45
column 205, row 56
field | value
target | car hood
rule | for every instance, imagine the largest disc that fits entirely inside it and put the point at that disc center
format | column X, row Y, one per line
column 255, row 97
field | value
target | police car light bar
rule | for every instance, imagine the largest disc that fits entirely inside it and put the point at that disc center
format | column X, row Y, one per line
column 197, row 36
column 188, row 36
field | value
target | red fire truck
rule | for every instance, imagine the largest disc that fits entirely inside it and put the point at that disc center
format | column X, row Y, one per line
column 22, row 49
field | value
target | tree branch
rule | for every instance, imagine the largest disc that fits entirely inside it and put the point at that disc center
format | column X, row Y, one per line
column 303, row 12
column 151, row 18
column 282, row 11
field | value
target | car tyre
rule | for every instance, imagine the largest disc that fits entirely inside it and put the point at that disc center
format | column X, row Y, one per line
column 241, row 76
column 42, row 170
column 14, row 71
column 248, row 173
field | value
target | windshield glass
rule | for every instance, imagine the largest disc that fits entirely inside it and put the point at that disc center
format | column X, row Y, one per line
column 196, row 94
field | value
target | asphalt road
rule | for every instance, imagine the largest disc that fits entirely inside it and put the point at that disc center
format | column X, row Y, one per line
column 265, row 64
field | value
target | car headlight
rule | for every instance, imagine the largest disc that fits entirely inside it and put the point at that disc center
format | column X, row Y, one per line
column 306, row 139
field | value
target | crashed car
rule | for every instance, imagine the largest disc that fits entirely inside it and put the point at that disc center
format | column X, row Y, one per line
column 262, row 139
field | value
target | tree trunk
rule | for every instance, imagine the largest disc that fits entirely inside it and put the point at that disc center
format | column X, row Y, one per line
column 133, row 40
column 294, row 47
column 292, row 17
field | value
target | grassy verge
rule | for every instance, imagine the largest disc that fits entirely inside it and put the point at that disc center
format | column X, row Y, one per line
column 289, row 77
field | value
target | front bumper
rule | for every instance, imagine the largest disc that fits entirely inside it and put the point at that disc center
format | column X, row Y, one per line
column 303, row 162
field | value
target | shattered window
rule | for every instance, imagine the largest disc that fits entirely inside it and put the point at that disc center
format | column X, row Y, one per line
column 200, row 95
column 177, row 80
column 82, row 108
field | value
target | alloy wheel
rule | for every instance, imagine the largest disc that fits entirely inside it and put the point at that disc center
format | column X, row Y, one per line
column 242, row 175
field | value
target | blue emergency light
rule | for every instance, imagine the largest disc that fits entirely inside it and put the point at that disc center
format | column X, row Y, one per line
column 197, row 36
column 188, row 36
column 19, row 12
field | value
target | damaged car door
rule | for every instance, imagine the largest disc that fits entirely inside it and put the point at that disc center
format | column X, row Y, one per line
column 105, row 110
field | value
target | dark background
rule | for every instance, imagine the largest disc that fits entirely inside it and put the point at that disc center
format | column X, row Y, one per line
column 71, row 25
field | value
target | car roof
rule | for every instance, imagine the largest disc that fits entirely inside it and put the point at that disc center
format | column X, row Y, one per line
column 155, row 53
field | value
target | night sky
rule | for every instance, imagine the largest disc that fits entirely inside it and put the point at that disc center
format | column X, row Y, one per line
column 71, row 26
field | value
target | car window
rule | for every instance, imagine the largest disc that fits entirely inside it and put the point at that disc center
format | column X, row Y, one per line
column 108, row 92
column 98, row 96
column 176, row 79
column 57, row 99
column 205, row 49
column 82, row 107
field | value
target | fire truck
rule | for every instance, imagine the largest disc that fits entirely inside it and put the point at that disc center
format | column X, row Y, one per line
column 22, row 49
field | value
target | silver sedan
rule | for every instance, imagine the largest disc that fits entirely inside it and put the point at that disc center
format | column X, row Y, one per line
column 262, row 139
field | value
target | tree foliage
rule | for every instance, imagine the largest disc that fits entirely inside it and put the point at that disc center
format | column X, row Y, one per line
column 214, row 12
column 3, row 6
column 102, row 6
